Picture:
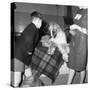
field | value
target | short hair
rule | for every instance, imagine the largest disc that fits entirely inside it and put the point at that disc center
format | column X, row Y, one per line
column 36, row 14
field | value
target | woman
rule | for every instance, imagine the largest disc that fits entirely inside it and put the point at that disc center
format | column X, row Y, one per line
column 78, row 46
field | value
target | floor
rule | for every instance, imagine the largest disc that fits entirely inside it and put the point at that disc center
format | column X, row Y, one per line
column 62, row 80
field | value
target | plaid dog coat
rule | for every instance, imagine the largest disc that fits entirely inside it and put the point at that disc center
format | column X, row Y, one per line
column 46, row 64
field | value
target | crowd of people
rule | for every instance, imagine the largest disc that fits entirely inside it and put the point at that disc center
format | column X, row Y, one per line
column 44, row 50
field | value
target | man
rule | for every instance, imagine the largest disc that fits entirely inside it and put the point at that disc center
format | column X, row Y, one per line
column 24, row 48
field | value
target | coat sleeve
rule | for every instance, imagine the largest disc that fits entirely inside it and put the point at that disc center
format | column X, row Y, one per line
column 29, row 39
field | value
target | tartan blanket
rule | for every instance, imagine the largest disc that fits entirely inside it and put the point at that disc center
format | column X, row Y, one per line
column 46, row 64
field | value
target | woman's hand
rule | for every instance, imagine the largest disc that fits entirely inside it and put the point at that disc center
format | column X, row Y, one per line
column 74, row 26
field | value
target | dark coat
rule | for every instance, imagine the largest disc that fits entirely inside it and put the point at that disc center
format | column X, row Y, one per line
column 26, row 43
column 78, row 46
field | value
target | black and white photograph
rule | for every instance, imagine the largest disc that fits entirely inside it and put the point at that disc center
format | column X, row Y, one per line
column 49, row 45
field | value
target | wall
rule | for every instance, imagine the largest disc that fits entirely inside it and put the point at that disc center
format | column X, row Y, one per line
column 50, row 13
column 22, row 19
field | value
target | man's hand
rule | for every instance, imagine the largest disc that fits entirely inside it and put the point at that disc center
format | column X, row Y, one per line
column 78, row 16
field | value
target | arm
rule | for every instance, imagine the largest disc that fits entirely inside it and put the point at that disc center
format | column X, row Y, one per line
column 29, row 36
column 81, row 29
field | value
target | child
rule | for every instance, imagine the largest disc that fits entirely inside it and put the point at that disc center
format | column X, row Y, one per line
column 24, row 48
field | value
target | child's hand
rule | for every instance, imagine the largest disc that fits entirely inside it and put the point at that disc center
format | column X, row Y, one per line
column 51, row 50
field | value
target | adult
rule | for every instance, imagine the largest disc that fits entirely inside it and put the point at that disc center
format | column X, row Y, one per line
column 78, row 46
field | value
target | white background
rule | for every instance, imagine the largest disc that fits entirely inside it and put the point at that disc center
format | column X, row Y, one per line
column 5, row 43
